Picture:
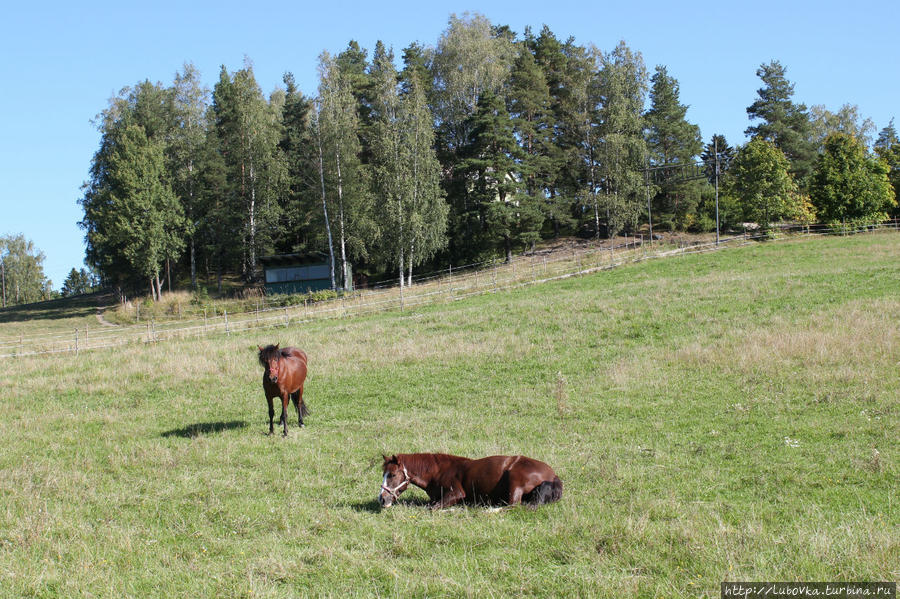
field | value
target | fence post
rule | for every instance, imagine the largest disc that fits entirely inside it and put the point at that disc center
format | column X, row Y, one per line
column 401, row 297
column 257, row 312
column 76, row 342
column 87, row 337
column 286, row 317
column 226, row 321
column 204, row 321
column 149, row 338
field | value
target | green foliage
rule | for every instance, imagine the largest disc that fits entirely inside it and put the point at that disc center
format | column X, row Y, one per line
column 847, row 120
column 501, row 210
column 345, row 180
column 622, row 90
column 248, row 131
column 887, row 146
column 784, row 123
column 762, row 183
column 849, row 186
column 78, row 282
column 22, row 277
column 671, row 139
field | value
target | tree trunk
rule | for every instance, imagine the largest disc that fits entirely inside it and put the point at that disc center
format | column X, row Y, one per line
column 409, row 280
column 324, row 202
column 340, row 191
column 401, row 271
column 252, row 266
column 193, row 266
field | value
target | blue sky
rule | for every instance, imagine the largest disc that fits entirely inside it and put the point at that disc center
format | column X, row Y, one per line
column 62, row 61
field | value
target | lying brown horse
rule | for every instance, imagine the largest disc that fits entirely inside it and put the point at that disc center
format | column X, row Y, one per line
column 449, row 479
column 284, row 377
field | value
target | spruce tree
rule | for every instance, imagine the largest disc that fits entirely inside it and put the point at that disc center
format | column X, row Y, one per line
column 504, row 213
column 671, row 139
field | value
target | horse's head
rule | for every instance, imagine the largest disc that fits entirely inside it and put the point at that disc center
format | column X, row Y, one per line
column 396, row 480
column 270, row 359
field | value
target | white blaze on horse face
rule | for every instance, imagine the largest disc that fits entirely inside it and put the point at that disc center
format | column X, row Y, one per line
column 385, row 501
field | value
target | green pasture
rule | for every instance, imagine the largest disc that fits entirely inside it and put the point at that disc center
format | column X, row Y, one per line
column 724, row 416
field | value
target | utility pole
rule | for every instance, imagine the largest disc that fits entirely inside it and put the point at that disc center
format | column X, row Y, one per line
column 647, row 188
column 716, row 152
column 3, row 276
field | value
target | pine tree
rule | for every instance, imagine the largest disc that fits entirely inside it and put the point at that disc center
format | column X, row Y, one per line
column 784, row 123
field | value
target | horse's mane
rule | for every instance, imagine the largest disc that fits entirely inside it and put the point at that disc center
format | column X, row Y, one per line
column 269, row 352
column 425, row 461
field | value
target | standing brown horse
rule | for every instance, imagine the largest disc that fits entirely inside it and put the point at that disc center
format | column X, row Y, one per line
column 284, row 377
column 449, row 479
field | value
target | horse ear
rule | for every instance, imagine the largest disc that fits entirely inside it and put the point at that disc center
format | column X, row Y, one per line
column 276, row 345
column 259, row 348
column 394, row 459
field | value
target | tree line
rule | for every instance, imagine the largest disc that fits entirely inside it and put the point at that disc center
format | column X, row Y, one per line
column 479, row 146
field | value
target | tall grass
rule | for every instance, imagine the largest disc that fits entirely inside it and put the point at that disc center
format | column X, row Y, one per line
column 728, row 416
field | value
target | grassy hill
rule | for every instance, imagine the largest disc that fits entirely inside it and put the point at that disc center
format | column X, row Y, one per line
column 724, row 416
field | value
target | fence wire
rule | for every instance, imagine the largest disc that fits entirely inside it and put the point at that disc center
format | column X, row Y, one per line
column 453, row 284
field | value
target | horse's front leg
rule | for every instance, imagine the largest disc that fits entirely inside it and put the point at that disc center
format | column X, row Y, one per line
column 448, row 498
column 271, row 413
column 285, row 397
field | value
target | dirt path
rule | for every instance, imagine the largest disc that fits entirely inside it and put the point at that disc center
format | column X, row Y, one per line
column 102, row 320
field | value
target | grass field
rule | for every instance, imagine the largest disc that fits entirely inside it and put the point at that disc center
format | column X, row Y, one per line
column 724, row 416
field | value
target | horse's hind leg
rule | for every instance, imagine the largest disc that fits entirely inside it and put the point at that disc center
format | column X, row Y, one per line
column 295, row 396
column 284, row 404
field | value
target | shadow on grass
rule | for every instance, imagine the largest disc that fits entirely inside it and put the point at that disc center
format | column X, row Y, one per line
column 204, row 428
column 374, row 507
column 69, row 307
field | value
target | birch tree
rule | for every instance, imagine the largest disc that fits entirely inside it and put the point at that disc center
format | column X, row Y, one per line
column 342, row 172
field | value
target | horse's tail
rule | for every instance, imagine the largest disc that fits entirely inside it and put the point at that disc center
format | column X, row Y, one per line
column 546, row 492
column 303, row 410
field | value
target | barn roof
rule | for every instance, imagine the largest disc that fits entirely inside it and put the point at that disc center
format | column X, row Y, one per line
column 298, row 259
